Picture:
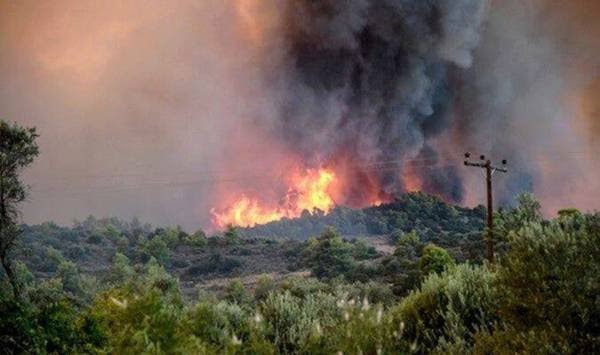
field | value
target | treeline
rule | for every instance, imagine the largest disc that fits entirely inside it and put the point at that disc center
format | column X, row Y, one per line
column 427, row 215
column 541, row 297
column 92, row 244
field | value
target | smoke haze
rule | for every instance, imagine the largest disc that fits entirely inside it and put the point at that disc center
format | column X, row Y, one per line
column 165, row 109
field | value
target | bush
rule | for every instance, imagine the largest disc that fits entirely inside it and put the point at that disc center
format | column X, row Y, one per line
column 46, row 323
column 330, row 256
column 19, row 332
column 363, row 251
column 120, row 271
column 215, row 263
column 156, row 248
column 138, row 322
column 434, row 260
column 197, row 239
column 264, row 285
column 232, row 235
column 448, row 309
column 142, row 315
column 236, row 293
column 548, row 285
column 290, row 321
column 361, row 328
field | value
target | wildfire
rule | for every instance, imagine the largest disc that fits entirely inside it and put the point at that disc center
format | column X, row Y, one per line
column 412, row 181
column 310, row 191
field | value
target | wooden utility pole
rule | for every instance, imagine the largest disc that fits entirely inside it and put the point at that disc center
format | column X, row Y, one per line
column 489, row 171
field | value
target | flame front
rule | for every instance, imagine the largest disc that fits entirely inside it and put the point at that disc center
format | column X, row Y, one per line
column 310, row 191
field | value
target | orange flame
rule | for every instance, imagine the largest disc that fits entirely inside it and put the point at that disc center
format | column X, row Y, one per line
column 309, row 191
column 412, row 181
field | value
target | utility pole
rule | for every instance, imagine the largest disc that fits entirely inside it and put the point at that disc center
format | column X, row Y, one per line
column 489, row 171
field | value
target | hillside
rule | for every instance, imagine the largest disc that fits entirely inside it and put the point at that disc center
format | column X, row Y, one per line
column 275, row 248
column 105, row 285
column 430, row 217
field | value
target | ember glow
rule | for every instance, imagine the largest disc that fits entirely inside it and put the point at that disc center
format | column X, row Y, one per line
column 309, row 191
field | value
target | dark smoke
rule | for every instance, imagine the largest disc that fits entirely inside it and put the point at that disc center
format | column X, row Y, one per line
column 372, row 78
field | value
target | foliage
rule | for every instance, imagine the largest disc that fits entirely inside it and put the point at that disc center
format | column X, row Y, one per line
column 121, row 270
column 330, row 256
column 448, row 309
column 197, row 239
column 548, row 287
column 290, row 320
column 264, row 285
column 402, row 268
column 142, row 314
column 541, row 297
column 47, row 321
column 528, row 210
column 427, row 215
column 236, row 293
column 18, row 149
column 434, row 260
column 157, row 248
column 216, row 263
column 231, row 235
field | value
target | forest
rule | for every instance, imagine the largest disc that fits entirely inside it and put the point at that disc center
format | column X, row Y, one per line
column 125, row 287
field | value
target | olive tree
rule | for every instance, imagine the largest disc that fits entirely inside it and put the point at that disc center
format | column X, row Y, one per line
column 18, row 149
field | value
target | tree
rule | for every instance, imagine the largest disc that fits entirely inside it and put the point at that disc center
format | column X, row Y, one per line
column 528, row 210
column 330, row 255
column 444, row 313
column 18, row 149
column 548, row 287
column 232, row 235
column 434, row 259
column 403, row 266
column 156, row 248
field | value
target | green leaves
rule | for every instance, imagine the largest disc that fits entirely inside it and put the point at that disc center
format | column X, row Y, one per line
column 330, row 256
column 434, row 260
column 18, row 148
column 548, row 281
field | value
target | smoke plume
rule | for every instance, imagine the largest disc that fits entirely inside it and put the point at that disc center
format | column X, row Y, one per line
column 370, row 81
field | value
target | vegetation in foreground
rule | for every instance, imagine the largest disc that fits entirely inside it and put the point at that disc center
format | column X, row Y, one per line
column 541, row 297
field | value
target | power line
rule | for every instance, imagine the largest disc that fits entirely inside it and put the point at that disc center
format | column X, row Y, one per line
column 489, row 171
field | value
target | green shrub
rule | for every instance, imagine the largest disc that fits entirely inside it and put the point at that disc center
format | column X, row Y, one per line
column 121, row 270
column 156, row 248
column 95, row 238
column 19, row 332
column 330, row 256
column 548, row 285
column 448, row 309
column 375, row 292
column 197, row 239
column 360, row 328
column 236, row 293
column 141, row 316
column 264, row 285
column 434, row 260
column 363, row 251
column 290, row 321
column 138, row 322
column 232, row 235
